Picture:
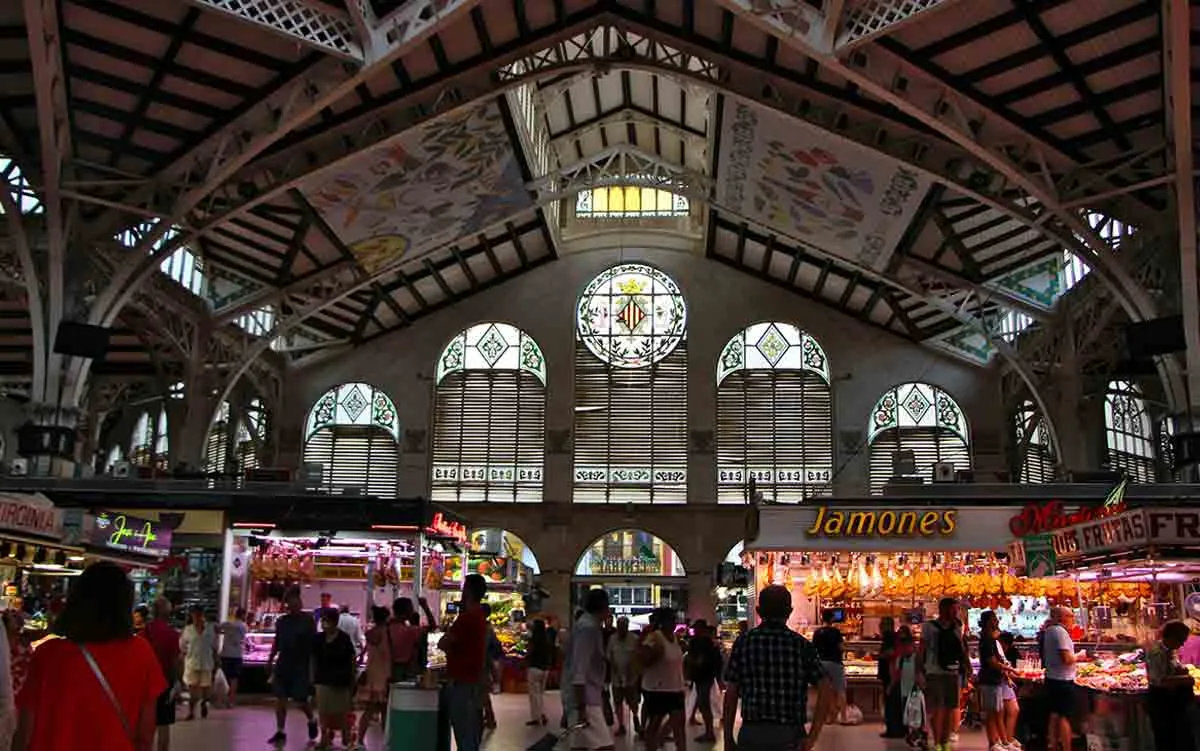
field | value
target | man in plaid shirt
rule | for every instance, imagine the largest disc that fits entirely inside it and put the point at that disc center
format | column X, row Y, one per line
column 770, row 670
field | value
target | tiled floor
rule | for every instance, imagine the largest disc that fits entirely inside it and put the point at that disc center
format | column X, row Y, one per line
column 250, row 727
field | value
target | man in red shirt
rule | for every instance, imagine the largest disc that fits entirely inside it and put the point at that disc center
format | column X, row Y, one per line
column 465, row 645
column 165, row 642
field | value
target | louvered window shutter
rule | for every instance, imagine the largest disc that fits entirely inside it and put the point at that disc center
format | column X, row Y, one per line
column 1037, row 466
column 1136, row 468
column 489, row 437
column 215, row 449
column 628, row 420
column 930, row 446
column 247, row 457
column 355, row 456
column 777, row 424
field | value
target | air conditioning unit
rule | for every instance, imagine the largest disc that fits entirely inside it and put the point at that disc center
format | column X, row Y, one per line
column 312, row 473
column 904, row 464
column 19, row 467
column 122, row 470
column 943, row 472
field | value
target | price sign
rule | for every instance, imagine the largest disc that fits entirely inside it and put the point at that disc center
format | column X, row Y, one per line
column 130, row 533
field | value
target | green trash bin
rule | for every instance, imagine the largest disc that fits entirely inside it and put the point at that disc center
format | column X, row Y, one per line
column 412, row 718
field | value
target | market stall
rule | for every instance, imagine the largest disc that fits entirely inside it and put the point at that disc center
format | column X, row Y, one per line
column 1125, row 571
column 508, row 565
column 411, row 554
column 865, row 562
column 39, row 551
column 732, row 594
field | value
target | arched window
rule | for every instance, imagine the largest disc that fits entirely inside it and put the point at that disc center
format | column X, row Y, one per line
column 774, row 415
column 917, row 418
column 149, row 444
column 490, row 416
column 250, row 436
column 629, row 202
column 1035, row 454
column 114, row 455
column 216, row 447
column 1128, row 432
column 353, row 433
column 142, row 441
column 631, row 388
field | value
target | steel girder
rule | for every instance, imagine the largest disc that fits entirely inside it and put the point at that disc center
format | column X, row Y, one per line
column 549, row 54
column 1177, row 64
column 323, row 30
column 46, row 295
column 195, row 177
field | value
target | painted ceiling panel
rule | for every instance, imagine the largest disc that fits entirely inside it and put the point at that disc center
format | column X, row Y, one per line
column 808, row 185
column 424, row 190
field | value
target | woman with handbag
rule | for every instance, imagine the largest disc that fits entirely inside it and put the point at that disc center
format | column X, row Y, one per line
column 95, row 688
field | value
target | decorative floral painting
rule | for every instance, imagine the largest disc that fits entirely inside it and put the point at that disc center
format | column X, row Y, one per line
column 808, row 185
column 449, row 179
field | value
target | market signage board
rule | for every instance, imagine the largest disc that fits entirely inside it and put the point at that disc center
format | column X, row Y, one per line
column 30, row 514
column 130, row 533
column 833, row 527
column 1131, row 529
column 834, row 522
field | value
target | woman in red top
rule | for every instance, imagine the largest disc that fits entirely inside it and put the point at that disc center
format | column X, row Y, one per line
column 96, row 687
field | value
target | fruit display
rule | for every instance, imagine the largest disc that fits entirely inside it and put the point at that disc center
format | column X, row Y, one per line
column 1122, row 674
column 1195, row 673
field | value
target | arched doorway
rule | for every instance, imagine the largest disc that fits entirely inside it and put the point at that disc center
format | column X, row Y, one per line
column 733, row 593
column 640, row 571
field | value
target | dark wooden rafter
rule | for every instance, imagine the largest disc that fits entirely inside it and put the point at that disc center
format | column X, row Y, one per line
column 134, row 119
column 1057, row 53
column 952, row 240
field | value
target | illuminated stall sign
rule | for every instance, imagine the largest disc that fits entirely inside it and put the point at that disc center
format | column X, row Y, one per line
column 1139, row 528
column 847, row 523
column 1052, row 515
column 129, row 533
column 444, row 527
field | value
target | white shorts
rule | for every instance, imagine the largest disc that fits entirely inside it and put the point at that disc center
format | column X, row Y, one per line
column 199, row 678
column 992, row 698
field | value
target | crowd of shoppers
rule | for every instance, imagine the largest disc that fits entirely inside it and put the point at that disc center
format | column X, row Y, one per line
column 108, row 682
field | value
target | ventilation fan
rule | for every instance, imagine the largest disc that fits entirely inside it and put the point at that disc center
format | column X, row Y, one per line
column 122, row 470
column 943, row 472
column 19, row 467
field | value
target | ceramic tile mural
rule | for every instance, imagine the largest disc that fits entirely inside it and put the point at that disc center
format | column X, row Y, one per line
column 444, row 181
column 1039, row 284
column 807, row 184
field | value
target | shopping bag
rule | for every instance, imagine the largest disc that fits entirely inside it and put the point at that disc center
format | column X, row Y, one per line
column 220, row 687
column 852, row 716
column 914, row 710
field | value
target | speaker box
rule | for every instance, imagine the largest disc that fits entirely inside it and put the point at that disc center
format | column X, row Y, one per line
column 81, row 340
column 1160, row 336
column 1185, row 448
column 45, row 440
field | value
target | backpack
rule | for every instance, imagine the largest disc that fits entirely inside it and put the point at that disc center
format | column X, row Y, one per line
column 949, row 652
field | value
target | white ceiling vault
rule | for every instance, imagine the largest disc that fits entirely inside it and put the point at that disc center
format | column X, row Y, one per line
column 353, row 165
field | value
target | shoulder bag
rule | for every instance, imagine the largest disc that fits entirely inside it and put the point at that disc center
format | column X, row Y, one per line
column 104, row 685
